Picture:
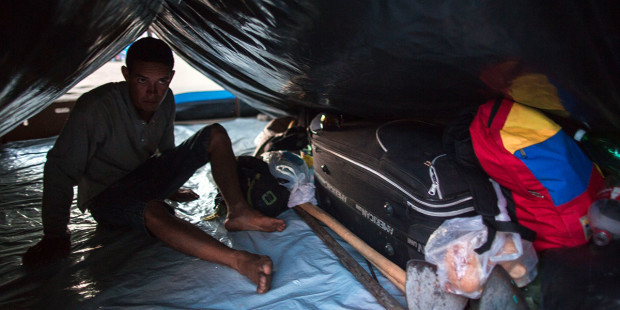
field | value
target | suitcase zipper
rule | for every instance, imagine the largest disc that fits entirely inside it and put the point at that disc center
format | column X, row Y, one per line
column 435, row 189
column 443, row 213
column 386, row 179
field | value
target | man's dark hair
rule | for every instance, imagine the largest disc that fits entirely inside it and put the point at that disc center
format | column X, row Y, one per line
column 149, row 50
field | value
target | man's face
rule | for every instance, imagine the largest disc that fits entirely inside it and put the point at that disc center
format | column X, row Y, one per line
column 148, row 85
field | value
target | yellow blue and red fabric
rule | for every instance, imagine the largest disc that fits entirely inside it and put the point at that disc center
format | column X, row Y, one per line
column 553, row 182
column 538, row 91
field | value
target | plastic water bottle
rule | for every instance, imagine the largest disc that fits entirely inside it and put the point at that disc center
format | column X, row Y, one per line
column 604, row 213
column 306, row 154
column 604, row 150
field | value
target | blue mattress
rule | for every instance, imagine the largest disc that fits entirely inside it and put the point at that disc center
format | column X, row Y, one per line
column 210, row 105
column 203, row 96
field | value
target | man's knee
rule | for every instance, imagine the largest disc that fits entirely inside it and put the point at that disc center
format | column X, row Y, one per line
column 219, row 137
column 154, row 211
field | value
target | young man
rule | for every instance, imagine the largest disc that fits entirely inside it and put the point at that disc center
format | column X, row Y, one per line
column 118, row 147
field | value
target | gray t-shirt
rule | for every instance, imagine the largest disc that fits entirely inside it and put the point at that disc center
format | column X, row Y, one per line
column 103, row 140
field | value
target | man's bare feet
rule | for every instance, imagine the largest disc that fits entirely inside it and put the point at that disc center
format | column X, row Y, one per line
column 257, row 268
column 246, row 218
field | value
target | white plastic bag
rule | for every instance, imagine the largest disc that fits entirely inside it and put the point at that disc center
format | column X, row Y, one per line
column 519, row 259
column 452, row 249
column 291, row 171
column 464, row 272
column 517, row 256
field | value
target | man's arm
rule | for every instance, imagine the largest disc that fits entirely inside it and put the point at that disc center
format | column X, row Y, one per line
column 167, row 143
column 66, row 163
column 63, row 168
column 57, row 199
column 167, row 140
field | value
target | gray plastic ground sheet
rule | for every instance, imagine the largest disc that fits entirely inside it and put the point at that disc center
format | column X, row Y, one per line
column 120, row 269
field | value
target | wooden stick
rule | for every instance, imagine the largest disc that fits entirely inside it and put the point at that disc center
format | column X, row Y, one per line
column 383, row 297
column 391, row 271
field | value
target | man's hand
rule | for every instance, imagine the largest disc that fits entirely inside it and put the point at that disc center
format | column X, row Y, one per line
column 184, row 195
column 47, row 250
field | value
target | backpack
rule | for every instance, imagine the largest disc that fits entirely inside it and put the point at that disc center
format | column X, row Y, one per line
column 551, row 180
column 262, row 190
column 292, row 139
column 457, row 143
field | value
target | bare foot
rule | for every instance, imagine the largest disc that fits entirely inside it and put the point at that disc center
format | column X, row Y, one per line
column 257, row 268
column 251, row 219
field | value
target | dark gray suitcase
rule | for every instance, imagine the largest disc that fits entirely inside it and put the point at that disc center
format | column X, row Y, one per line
column 392, row 184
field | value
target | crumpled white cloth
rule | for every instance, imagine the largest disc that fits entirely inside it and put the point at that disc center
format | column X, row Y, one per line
column 293, row 174
column 303, row 193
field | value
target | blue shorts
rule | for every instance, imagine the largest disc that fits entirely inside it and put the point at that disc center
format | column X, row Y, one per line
column 122, row 203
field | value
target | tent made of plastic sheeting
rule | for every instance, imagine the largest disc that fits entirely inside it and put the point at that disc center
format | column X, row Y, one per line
column 386, row 59
column 374, row 59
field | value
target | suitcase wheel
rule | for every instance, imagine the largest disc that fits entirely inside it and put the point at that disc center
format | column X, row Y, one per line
column 389, row 249
column 389, row 210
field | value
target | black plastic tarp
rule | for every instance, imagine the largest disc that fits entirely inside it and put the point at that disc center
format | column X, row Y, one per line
column 49, row 46
column 399, row 58
column 396, row 58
